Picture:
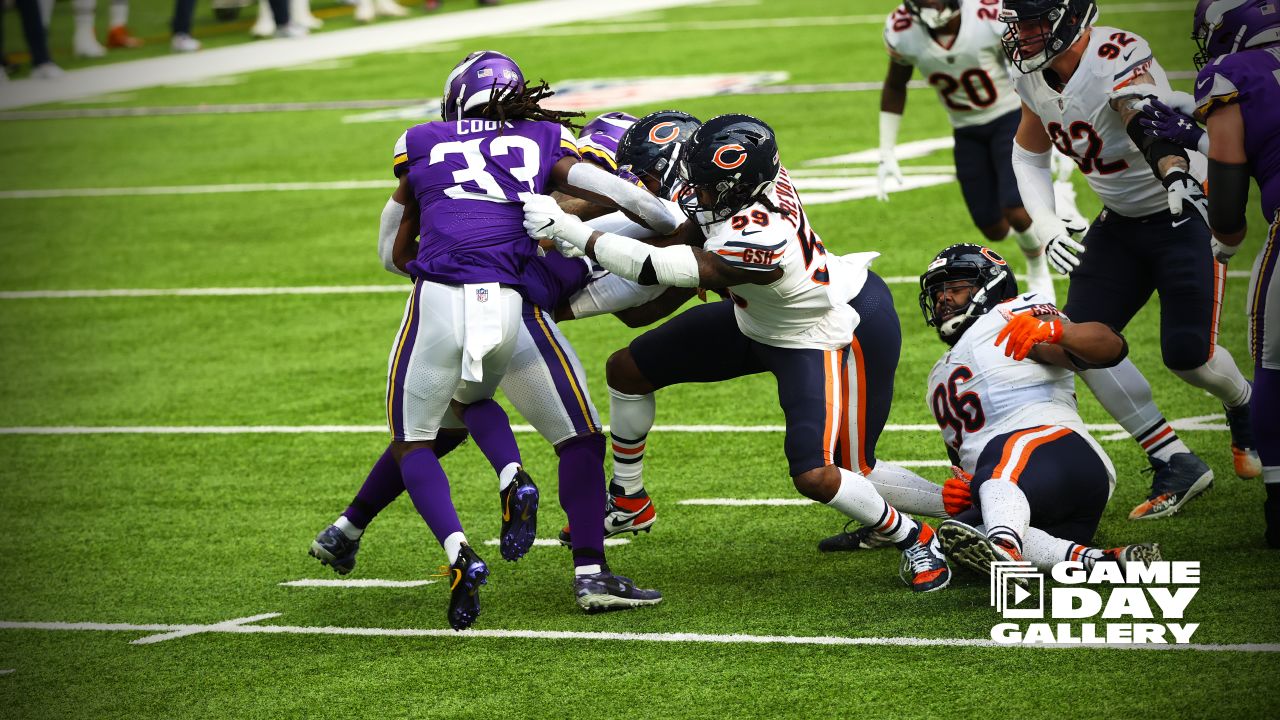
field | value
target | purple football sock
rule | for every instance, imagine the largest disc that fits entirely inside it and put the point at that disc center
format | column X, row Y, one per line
column 378, row 491
column 491, row 430
column 582, row 496
column 1263, row 411
column 429, row 489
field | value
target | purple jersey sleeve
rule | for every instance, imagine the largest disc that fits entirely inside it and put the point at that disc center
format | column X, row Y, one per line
column 1250, row 80
column 552, row 279
column 468, row 177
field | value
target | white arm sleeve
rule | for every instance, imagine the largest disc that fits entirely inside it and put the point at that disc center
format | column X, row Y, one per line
column 1035, row 182
column 635, row 199
column 674, row 265
column 392, row 214
column 889, row 125
column 610, row 294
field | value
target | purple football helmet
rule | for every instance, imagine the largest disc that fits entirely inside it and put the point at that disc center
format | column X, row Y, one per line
column 611, row 124
column 1222, row 27
column 475, row 80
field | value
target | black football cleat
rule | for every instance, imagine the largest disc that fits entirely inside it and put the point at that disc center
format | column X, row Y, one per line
column 860, row 538
column 333, row 548
column 466, row 575
column 924, row 567
column 604, row 591
column 519, row 516
column 1176, row 482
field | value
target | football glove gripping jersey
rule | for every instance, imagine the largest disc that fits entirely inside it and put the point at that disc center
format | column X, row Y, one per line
column 1185, row 192
column 957, row 495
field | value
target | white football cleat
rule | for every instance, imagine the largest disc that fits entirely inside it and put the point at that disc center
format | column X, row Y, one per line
column 184, row 43
column 300, row 13
column 47, row 71
column 87, row 46
column 292, row 31
column 390, row 8
column 265, row 26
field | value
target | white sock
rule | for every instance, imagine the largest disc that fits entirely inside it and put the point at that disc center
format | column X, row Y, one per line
column 453, row 546
column 585, row 570
column 1126, row 395
column 1044, row 550
column 351, row 531
column 1005, row 511
column 1221, row 378
column 1028, row 243
column 507, row 475
column 856, row 497
column 84, row 14
column 630, row 419
column 119, row 13
column 907, row 491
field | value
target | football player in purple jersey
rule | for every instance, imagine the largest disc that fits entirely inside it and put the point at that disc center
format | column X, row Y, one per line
column 463, row 181
column 1237, row 95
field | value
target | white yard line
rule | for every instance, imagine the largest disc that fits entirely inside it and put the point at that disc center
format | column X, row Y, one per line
column 1205, row 422
column 552, row 542
column 239, row 627
column 186, row 630
column 8, row 671
column 355, row 583
column 281, row 53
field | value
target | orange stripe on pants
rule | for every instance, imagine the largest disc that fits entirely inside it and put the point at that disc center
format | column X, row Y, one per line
column 1018, row 449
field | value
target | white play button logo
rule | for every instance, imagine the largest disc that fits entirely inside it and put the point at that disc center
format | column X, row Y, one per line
column 1019, row 594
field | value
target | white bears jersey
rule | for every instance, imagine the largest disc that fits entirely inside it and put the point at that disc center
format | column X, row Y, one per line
column 976, row 393
column 1082, row 125
column 971, row 74
column 808, row 307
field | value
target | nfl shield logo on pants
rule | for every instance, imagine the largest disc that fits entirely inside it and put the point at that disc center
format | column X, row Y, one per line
column 482, row 294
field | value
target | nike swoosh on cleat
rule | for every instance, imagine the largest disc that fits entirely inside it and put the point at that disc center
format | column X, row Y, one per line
column 626, row 519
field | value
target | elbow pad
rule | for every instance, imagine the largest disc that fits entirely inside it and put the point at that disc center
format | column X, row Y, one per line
column 388, row 228
column 1230, row 194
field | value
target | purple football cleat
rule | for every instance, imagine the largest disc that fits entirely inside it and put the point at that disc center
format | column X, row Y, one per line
column 519, row 516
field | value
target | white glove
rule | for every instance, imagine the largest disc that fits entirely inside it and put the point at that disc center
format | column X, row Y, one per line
column 568, row 250
column 1222, row 252
column 1184, row 190
column 888, row 168
column 544, row 220
column 1060, row 247
column 1183, row 102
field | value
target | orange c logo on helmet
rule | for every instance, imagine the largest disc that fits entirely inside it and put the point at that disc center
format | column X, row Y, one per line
column 664, row 132
column 719, row 157
column 992, row 256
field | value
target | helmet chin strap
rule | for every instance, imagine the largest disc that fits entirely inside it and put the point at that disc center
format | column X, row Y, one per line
column 952, row 325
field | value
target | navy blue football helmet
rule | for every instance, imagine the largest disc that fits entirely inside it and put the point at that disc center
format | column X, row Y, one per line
column 731, row 162
column 988, row 274
column 651, row 147
column 1040, row 30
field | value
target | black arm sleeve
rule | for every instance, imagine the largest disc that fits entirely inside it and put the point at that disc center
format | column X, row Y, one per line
column 1154, row 149
column 1230, row 183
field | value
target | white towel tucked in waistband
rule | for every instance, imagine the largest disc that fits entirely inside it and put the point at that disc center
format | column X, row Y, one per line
column 481, row 327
